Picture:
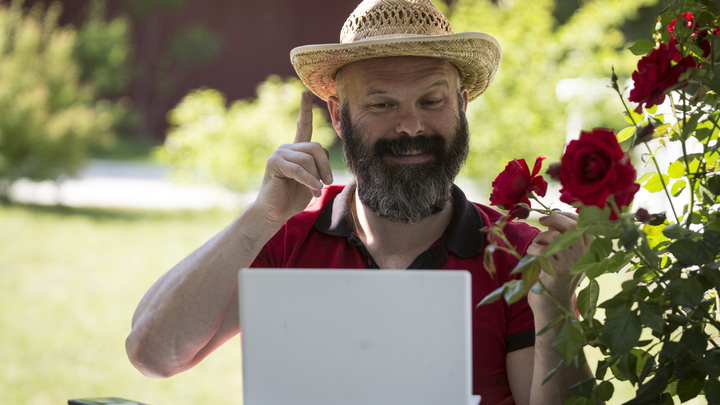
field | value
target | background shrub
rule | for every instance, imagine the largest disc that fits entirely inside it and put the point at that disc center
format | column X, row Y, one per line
column 51, row 114
column 230, row 145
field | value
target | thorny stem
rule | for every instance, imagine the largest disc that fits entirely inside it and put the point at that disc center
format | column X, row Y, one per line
column 687, row 164
column 662, row 181
column 652, row 156
column 498, row 232
column 534, row 197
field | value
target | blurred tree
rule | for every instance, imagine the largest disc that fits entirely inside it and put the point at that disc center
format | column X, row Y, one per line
column 50, row 116
column 103, row 50
column 552, row 79
column 231, row 145
column 164, row 64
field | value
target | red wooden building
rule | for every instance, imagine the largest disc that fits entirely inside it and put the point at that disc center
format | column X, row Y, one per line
column 257, row 36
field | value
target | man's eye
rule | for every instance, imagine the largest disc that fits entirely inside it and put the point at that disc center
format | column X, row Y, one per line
column 432, row 102
column 380, row 105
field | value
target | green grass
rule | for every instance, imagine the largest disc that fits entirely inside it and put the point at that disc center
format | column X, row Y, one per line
column 71, row 279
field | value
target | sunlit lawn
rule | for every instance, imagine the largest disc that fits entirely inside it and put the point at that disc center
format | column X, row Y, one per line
column 70, row 280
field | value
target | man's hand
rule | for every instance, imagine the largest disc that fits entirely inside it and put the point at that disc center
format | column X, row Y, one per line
column 563, row 287
column 295, row 172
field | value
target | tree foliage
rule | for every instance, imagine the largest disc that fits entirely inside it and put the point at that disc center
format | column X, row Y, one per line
column 50, row 111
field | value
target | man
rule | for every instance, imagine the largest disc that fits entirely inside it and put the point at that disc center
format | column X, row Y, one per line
column 397, row 89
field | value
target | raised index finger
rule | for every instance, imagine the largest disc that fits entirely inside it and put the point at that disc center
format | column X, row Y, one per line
column 304, row 125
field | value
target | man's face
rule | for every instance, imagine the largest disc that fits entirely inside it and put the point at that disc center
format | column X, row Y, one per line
column 405, row 133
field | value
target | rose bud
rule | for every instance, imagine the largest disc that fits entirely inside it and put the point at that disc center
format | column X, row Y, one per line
column 520, row 211
column 645, row 132
column 642, row 215
column 554, row 170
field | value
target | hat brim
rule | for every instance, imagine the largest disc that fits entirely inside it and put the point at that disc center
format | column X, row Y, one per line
column 476, row 55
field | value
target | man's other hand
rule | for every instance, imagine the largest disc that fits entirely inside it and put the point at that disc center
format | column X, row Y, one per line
column 564, row 285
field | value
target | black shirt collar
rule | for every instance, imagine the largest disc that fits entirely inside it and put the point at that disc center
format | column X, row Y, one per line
column 463, row 236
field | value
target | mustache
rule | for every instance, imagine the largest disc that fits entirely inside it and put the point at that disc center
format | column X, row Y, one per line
column 405, row 144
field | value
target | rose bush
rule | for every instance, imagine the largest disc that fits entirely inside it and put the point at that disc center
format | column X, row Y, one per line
column 660, row 330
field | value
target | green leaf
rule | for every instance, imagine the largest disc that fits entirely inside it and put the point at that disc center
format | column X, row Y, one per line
column 525, row 263
column 649, row 392
column 583, row 388
column 678, row 188
column 605, row 391
column 605, row 229
column 576, row 400
column 648, row 253
column 690, row 252
column 587, row 261
column 592, row 214
column 611, row 265
column 686, row 292
column 568, row 342
column 625, row 134
column 543, row 263
column 603, row 247
column 621, row 330
column 552, row 372
column 604, row 365
column 642, row 47
column 655, row 183
column 550, row 325
column 712, row 391
column 514, row 290
column 689, row 388
column 565, row 240
column 651, row 315
column 655, row 233
column 587, row 299
column 661, row 130
column 492, row 297
column 629, row 237
column 676, row 169
column 709, row 365
column 675, row 231
column 644, row 178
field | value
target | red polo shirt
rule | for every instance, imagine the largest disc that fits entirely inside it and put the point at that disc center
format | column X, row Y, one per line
column 322, row 236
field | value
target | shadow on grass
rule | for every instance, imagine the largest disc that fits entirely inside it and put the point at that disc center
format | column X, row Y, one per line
column 115, row 214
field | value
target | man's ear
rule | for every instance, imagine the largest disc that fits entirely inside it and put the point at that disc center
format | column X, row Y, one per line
column 334, row 109
column 464, row 94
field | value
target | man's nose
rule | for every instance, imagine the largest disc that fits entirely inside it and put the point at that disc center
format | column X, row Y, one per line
column 410, row 122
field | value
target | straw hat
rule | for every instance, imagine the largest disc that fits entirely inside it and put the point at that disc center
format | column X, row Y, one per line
column 383, row 28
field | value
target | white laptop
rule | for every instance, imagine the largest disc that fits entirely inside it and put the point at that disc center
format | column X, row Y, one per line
column 356, row 337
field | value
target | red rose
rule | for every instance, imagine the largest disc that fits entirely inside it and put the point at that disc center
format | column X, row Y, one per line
column 702, row 33
column 595, row 168
column 688, row 17
column 515, row 184
column 656, row 74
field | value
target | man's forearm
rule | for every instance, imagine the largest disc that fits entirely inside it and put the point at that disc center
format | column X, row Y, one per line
column 556, row 390
column 181, row 313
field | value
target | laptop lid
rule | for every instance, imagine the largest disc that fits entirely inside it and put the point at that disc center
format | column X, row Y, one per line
column 319, row 336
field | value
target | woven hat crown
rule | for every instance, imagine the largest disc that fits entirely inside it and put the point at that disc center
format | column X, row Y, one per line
column 377, row 19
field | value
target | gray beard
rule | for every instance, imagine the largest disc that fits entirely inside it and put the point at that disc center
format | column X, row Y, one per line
column 405, row 193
